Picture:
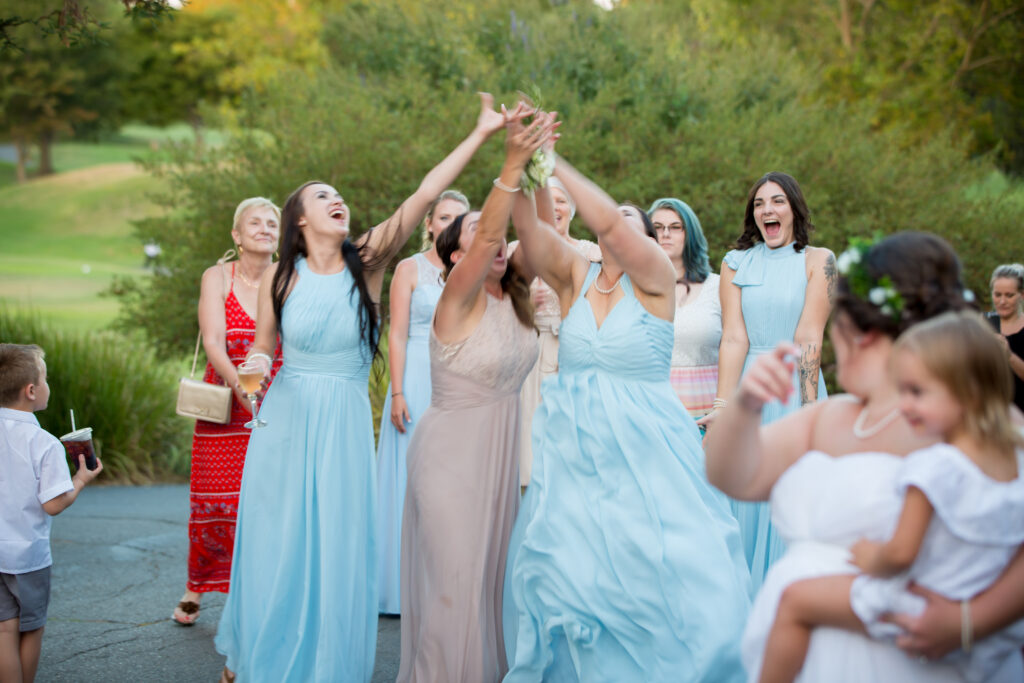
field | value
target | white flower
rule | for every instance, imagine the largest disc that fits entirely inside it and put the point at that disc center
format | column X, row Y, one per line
column 538, row 169
column 878, row 296
column 847, row 259
column 968, row 296
column 886, row 310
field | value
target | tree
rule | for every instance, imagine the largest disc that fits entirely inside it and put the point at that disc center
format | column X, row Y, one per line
column 924, row 63
column 653, row 106
column 47, row 89
column 72, row 21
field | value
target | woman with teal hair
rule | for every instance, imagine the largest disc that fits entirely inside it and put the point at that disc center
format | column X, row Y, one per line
column 698, row 319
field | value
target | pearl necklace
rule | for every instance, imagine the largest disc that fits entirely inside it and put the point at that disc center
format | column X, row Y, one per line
column 610, row 289
column 858, row 426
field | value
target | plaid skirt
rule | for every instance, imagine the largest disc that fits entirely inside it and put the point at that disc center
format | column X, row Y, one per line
column 696, row 387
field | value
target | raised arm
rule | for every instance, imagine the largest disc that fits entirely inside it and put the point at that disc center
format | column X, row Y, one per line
column 744, row 459
column 641, row 258
column 460, row 294
column 387, row 238
column 548, row 256
column 811, row 327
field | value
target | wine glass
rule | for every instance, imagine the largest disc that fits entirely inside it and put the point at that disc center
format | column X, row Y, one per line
column 250, row 377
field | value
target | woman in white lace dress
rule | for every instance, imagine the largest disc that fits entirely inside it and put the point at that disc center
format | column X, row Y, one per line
column 698, row 321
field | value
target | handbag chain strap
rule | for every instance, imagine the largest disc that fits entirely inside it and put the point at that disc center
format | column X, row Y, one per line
column 195, row 357
column 228, row 255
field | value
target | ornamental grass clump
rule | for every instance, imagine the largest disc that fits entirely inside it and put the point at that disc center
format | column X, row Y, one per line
column 118, row 387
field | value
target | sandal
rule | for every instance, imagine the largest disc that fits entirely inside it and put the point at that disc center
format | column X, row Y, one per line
column 226, row 676
column 183, row 613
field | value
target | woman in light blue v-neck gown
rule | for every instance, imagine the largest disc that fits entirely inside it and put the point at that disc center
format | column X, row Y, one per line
column 624, row 564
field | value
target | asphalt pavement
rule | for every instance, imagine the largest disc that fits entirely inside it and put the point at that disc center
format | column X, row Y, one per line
column 119, row 568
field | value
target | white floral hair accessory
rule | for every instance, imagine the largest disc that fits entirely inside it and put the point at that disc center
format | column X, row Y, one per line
column 880, row 292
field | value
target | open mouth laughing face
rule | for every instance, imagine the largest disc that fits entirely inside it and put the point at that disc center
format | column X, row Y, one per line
column 773, row 215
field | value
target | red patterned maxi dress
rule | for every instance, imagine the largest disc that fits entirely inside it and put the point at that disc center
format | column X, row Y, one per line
column 218, row 454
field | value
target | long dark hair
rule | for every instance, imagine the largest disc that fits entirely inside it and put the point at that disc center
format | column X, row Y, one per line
column 293, row 245
column 512, row 283
column 802, row 225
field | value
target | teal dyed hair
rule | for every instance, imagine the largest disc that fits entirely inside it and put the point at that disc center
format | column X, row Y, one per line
column 695, row 250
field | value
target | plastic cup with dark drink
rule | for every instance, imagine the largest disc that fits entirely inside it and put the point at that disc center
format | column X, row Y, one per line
column 79, row 442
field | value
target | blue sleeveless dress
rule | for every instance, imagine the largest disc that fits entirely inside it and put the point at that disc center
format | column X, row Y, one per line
column 391, row 464
column 624, row 564
column 303, row 599
column 773, row 283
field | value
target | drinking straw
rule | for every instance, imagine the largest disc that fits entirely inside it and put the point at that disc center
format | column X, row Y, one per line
column 72, row 419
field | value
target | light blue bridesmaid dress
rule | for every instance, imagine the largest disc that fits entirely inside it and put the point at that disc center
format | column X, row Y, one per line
column 624, row 564
column 303, row 598
column 772, row 283
column 391, row 464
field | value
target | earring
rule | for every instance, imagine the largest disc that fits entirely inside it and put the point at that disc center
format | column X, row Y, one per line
column 239, row 245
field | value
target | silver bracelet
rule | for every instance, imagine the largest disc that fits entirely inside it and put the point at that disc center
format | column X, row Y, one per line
column 502, row 186
column 719, row 403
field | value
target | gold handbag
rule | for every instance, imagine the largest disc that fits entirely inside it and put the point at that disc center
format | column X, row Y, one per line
column 202, row 401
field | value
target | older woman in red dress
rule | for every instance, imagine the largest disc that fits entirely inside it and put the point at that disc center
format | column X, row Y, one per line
column 227, row 308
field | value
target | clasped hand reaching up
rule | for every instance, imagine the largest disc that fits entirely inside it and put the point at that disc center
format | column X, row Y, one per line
column 523, row 139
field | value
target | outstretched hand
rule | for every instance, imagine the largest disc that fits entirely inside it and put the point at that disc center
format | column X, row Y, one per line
column 770, row 377
column 489, row 121
column 522, row 140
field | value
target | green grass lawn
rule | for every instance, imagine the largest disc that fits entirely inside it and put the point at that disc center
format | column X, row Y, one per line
column 64, row 238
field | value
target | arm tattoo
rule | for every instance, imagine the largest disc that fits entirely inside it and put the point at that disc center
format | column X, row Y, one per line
column 831, row 278
column 807, row 369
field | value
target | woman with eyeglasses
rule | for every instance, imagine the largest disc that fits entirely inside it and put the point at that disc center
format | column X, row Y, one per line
column 698, row 321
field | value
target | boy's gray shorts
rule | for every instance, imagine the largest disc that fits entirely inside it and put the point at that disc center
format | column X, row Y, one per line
column 25, row 597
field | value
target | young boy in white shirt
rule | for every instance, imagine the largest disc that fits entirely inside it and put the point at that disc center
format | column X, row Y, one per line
column 34, row 484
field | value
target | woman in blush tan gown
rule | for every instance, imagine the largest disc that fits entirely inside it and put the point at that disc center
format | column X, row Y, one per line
column 462, row 490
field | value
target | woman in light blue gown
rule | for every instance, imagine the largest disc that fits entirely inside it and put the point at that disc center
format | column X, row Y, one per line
column 415, row 289
column 302, row 604
column 773, row 287
column 624, row 564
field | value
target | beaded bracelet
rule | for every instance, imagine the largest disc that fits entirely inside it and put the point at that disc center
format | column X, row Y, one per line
column 502, row 186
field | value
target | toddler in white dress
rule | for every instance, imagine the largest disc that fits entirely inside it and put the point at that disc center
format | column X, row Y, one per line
column 963, row 511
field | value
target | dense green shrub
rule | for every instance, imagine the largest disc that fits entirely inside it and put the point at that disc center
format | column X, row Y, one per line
column 652, row 107
column 119, row 388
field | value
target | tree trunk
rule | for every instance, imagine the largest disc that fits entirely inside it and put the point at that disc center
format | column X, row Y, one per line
column 21, row 149
column 46, row 153
column 845, row 25
column 196, row 121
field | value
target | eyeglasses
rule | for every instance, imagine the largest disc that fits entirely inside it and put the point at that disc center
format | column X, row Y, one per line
column 674, row 228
